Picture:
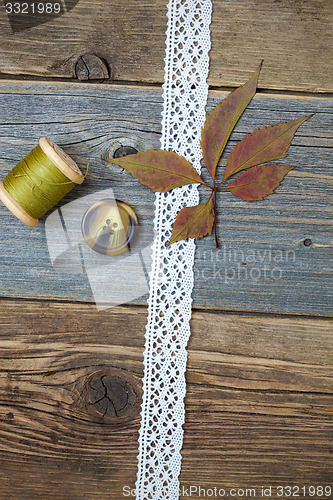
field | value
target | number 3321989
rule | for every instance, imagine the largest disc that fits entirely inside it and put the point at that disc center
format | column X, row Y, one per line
column 33, row 8
column 304, row 491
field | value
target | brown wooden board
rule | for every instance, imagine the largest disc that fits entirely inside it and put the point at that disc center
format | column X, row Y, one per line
column 258, row 404
column 92, row 121
column 294, row 38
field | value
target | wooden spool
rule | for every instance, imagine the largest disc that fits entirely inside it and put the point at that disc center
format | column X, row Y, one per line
column 62, row 161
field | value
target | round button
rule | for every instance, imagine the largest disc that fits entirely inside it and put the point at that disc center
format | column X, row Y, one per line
column 108, row 226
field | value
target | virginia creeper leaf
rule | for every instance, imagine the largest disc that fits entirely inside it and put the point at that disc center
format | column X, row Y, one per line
column 258, row 182
column 160, row 170
column 263, row 145
column 193, row 222
column 221, row 121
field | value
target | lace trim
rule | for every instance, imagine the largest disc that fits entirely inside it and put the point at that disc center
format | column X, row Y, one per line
column 171, row 278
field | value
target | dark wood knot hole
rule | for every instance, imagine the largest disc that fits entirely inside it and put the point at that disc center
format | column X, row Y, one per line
column 124, row 151
column 307, row 242
column 111, row 396
column 91, row 67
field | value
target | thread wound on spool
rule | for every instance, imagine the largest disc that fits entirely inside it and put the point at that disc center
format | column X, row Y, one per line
column 61, row 160
column 39, row 181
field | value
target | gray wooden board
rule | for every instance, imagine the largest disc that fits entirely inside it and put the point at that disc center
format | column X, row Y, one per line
column 262, row 264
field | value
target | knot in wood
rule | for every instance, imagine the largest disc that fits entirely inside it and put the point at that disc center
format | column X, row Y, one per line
column 111, row 396
column 124, row 151
column 91, row 67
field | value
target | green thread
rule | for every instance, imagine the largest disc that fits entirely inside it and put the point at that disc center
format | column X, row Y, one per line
column 36, row 184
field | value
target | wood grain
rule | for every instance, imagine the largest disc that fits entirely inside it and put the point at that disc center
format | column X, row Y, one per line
column 259, row 400
column 91, row 122
column 294, row 38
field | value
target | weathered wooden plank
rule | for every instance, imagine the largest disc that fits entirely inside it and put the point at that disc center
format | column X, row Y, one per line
column 294, row 38
column 91, row 121
column 259, row 400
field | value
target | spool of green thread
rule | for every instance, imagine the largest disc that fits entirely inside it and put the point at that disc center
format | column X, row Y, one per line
column 39, row 181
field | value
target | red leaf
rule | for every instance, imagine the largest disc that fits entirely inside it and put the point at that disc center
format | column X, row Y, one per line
column 160, row 170
column 258, row 182
column 263, row 145
column 220, row 122
column 193, row 222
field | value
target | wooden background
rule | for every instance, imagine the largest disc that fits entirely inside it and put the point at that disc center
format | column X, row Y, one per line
column 259, row 399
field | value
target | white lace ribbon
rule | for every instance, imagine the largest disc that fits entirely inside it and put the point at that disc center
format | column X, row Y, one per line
column 171, row 278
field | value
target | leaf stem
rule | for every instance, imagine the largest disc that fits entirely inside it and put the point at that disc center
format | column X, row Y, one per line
column 207, row 185
column 218, row 187
column 215, row 220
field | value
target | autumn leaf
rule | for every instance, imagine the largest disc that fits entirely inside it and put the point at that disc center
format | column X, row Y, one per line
column 163, row 171
column 160, row 170
column 263, row 145
column 258, row 182
column 193, row 222
column 221, row 121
